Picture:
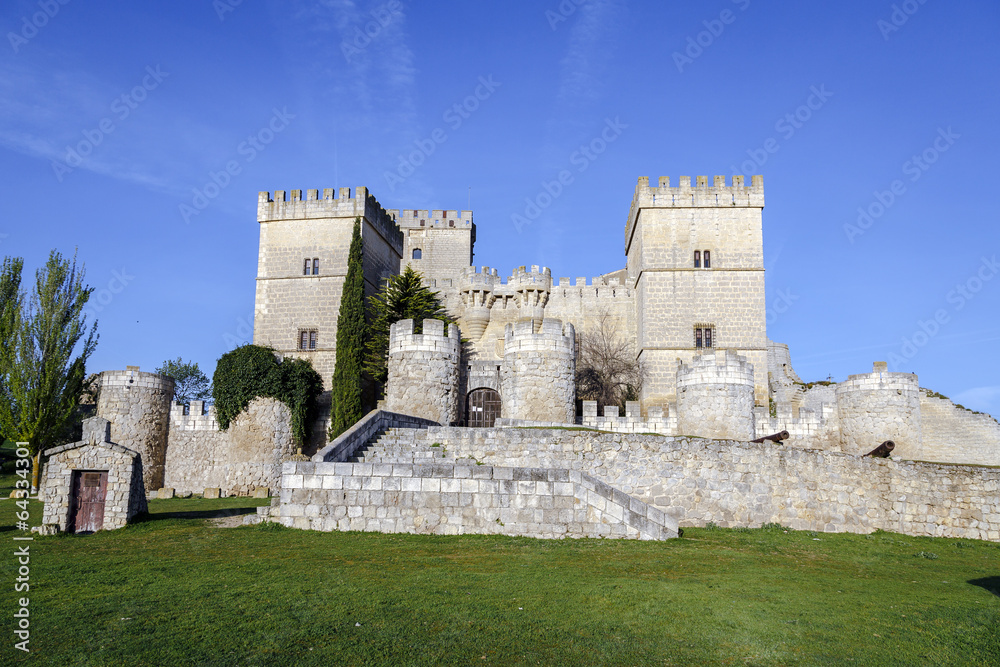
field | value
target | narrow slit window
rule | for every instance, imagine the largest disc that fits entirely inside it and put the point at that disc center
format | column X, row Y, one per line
column 316, row 266
column 708, row 259
column 306, row 267
column 697, row 261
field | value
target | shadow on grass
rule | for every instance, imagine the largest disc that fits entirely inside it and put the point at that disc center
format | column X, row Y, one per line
column 990, row 584
column 197, row 514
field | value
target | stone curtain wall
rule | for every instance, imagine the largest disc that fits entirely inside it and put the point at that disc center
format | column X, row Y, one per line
column 446, row 499
column 745, row 484
column 537, row 377
column 715, row 397
column 138, row 406
column 125, row 497
column 953, row 434
column 246, row 456
column 423, row 371
column 880, row 406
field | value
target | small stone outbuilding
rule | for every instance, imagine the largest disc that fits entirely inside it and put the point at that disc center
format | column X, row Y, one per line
column 93, row 484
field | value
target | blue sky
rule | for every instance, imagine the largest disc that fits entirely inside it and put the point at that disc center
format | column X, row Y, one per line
column 887, row 108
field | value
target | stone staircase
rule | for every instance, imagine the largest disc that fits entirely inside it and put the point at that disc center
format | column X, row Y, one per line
column 404, row 445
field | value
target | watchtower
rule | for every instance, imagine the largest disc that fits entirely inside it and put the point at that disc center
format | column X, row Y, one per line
column 696, row 259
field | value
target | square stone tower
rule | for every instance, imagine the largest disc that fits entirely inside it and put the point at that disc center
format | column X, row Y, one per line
column 439, row 244
column 696, row 259
column 302, row 264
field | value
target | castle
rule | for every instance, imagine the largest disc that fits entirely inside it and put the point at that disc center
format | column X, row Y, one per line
column 480, row 429
column 689, row 302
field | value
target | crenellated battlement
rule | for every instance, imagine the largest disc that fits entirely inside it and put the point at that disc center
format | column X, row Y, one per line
column 718, row 367
column 433, row 339
column 333, row 204
column 699, row 195
column 485, row 280
column 553, row 337
column 432, row 218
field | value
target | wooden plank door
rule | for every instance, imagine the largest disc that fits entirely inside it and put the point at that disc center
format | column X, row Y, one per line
column 90, row 488
column 483, row 408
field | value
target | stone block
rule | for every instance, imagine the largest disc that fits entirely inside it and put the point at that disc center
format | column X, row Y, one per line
column 261, row 492
column 165, row 493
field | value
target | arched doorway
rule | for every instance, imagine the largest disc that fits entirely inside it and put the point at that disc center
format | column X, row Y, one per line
column 482, row 408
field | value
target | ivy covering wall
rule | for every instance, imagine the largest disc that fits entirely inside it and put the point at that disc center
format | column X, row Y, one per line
column 253, row 371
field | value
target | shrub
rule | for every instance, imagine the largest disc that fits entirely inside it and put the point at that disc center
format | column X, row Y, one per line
column 253, row 371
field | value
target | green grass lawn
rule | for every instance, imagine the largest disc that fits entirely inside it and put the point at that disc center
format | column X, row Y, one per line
column 177, row 590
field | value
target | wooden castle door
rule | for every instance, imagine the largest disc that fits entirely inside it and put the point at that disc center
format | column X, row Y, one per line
column 87, row 505
column 483, row 408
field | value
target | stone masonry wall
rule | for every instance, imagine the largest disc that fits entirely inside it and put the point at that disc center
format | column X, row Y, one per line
column 138, row 406
column 955, row 435
column 745, row 484
column 880, row 406
column 423, row 371
column 537, row 377
column 715, row 397
column 246, row 456
column 125, row 495
column 445, row 499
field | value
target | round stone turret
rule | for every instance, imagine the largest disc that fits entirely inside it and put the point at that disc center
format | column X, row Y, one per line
column 138, row 406
column 477, row 299
column 531, row 291
column 537, row 378
column 715, row 396
column 879, row 406
column 423, row 371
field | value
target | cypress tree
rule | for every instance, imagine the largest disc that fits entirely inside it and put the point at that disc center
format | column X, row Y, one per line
column 346, row 408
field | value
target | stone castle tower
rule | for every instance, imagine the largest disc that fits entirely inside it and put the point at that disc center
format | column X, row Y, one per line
column 696, row 260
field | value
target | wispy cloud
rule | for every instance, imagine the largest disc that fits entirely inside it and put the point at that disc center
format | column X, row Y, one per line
column 45, row 111
column 592, row 42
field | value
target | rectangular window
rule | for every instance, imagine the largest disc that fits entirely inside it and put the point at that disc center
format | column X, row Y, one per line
column 704, row 336
column 306, row 267
column 697, row 261
column 315, row 266
column 708, row 259
column 308, row 339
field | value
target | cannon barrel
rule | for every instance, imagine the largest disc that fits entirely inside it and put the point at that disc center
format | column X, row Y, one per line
column 883, row 450
column 774, row 437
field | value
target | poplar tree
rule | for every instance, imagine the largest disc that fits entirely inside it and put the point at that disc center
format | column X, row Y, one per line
column 45, row 350
column 346, row 394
